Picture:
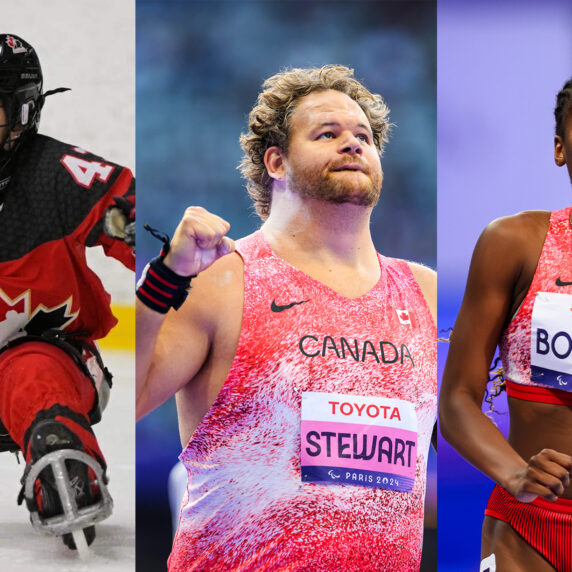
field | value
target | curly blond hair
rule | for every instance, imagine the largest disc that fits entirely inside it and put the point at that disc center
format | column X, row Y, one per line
column 269, row 120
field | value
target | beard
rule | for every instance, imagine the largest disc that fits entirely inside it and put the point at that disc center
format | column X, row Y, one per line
column 338, row 187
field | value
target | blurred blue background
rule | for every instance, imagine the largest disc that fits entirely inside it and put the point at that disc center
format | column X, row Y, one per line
column 500, row 66
column 199, row 69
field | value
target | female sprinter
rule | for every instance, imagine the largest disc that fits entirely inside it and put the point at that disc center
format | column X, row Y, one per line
column 519, row 297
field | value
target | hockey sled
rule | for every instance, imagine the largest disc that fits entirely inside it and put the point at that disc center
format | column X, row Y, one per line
column 73, row 518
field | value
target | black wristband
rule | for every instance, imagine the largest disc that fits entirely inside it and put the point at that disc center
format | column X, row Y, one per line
column 160, row 288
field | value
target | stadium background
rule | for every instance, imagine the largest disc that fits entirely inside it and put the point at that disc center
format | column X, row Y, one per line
column 199, row 69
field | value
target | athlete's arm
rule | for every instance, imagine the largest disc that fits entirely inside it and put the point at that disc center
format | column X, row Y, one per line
column 91, row 185
column 172, row 348
column 501, row 257
column 118, row 234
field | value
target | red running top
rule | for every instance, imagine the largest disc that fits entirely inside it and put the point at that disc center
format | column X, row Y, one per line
column 536, row 347
column 314, row 454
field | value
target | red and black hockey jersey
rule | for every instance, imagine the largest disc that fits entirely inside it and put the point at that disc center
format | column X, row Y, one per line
column 53, row 209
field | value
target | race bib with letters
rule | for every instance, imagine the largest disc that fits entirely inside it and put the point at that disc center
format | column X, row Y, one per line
column 367, row 441
column 551, row 340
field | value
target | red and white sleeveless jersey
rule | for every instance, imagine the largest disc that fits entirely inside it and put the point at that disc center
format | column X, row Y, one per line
column 314, row 454
column 536, row 347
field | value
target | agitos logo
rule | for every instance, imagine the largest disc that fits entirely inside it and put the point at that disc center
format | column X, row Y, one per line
column 383, row 351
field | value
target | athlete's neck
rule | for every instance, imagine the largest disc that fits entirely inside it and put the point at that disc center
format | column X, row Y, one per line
column 319, row 230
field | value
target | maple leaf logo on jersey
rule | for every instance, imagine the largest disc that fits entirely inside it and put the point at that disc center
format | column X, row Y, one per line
column 17, row 319
column 45, row 318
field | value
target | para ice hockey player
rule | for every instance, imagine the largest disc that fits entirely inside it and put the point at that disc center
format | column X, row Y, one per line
column 55, row 201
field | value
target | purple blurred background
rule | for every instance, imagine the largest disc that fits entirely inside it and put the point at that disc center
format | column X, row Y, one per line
column 500, row 66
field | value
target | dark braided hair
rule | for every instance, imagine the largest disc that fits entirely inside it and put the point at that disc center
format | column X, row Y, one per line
column 563, row 107
column 498, row 381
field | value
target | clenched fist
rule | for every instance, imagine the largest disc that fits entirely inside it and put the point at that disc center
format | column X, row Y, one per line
column 199, row 240
column 546, row 475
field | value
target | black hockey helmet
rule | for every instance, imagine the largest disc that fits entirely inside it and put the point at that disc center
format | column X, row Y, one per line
column 20, row 83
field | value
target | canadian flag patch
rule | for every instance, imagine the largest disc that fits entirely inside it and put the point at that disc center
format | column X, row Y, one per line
column 404, row 317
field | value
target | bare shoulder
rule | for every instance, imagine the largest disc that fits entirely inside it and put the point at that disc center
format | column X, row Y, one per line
column 511, row 245
column 524, row 218
column 427, row 279
column 518, row 229
column 426, row 276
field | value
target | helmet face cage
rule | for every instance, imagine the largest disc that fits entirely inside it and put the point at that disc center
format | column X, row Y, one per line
column 22, row 107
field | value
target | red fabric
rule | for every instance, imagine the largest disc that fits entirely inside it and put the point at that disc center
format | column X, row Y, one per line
column 538, row 394
column 248, row 507
column 546, row 526
column 48, row 220
column 54, row 283
column 36, row 376
column 65, row 294
column 124, row 186
column 515, row 344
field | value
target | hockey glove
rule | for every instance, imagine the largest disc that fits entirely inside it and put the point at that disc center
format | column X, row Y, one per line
column 119, row 221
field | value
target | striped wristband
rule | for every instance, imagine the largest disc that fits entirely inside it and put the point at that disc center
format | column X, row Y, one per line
column 160, row 288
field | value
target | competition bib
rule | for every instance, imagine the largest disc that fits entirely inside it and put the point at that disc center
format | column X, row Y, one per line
column 551, row 340
column 367, row 441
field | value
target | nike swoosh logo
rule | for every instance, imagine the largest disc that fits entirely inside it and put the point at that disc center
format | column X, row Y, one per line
column 560, row 283
column 275, row 308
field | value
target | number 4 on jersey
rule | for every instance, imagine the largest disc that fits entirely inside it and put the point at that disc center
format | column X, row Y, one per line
column 86, row 172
